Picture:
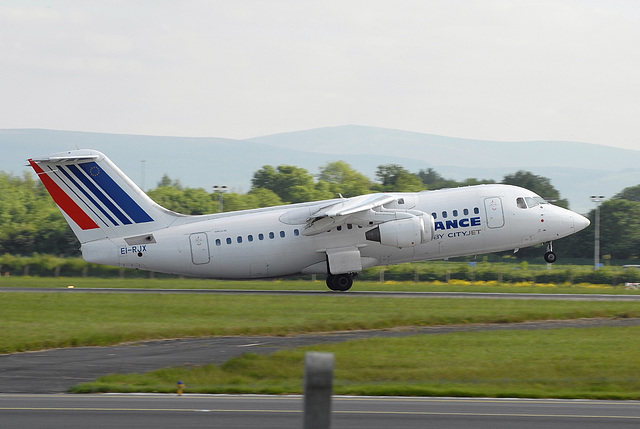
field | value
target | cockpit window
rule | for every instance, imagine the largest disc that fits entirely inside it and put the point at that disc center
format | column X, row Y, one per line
column 540, row 200
column 529, row 202
column 534, row 201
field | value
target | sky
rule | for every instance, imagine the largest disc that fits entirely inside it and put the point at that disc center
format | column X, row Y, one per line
column 504, row 70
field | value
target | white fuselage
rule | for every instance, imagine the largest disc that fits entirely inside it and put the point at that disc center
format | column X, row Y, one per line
column 271, row 242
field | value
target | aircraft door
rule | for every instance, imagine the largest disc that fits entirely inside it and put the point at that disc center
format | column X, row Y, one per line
column 494, row 212
column 199, row 248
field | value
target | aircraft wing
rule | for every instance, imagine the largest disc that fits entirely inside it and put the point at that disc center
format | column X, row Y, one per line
column 361, row 203
column 348, row 210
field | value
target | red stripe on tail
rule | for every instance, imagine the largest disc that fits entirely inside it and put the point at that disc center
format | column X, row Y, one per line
column 63, row 200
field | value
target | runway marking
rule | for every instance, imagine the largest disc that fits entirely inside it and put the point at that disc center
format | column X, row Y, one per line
column 589, row 402
column 187, row 410
column 434, row 413
column 352, row 412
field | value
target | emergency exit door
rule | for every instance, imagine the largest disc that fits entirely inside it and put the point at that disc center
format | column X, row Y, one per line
column 494, row 212
column 199, row 248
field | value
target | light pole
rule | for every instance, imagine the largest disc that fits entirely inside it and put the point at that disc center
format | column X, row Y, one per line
column 598, row 199
column 220, row 190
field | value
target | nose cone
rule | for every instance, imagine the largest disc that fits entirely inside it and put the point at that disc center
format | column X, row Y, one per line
column 580, row 222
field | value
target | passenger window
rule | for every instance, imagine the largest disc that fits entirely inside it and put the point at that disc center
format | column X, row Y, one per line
column 261, row 236
column 520, row 203
column 250, row 237
column 444, row 215
column 271, row 235
column 349, row 226
column 476, row 210
column 339, row 228
column 435, row 215
column 282, row 234
column 239, row 239
column 218, row 242
column 228, row 240
column 296, row 232
column 466, row 212
column 455, row 213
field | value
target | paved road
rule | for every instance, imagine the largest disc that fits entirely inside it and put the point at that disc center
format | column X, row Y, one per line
column 249, row 411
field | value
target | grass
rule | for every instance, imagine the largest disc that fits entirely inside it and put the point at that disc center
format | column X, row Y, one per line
column 409, row 286
column 580, row 363
column 564, row 363
column 34, row 321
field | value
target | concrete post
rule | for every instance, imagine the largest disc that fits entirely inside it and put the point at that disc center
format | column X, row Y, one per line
column 318, row 389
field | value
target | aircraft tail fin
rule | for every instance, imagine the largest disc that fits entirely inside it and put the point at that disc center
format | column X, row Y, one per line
column 97, row 199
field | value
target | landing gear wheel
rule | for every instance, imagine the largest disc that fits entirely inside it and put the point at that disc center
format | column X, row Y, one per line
column 550, row 257
column 340, row 282
column 330, row 281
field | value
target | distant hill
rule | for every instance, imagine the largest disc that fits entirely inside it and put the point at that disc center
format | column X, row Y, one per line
column 451, row 151
column 577, row 170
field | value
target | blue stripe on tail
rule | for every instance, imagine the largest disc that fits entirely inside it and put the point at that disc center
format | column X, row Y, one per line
column 100, row 195
column 117, row 194
column 86, row 194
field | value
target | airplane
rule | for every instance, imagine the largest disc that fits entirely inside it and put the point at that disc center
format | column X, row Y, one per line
column 118, row 224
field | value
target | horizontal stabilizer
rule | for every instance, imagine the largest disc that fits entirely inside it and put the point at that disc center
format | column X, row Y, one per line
column 67, row 158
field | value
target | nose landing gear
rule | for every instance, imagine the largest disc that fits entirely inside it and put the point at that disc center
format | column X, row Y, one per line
column 550, row 257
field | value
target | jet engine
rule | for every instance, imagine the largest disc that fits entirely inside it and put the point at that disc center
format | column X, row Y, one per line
column 407, row 232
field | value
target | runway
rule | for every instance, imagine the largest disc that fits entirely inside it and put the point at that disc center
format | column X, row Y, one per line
column 53, row 371
column 251, row 411
column 352, row 293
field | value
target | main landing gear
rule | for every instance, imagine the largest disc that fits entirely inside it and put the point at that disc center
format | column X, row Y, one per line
column 340, row 282
column 550, row 257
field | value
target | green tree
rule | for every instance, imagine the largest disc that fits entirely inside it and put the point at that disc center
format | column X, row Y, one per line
column 29, row 219
column 631, row 193
column 430, row 177
column 620, row 228
column 473, row 181
column 188, row 201
column 233, row 202
column 394, row 177
column 619, row 232
column 166, row 182
column 265, row 197
column 344, row 180
column 292, row 184
column 538, row 184
column 433, row 180
column 265, row 178
column 256, row 198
